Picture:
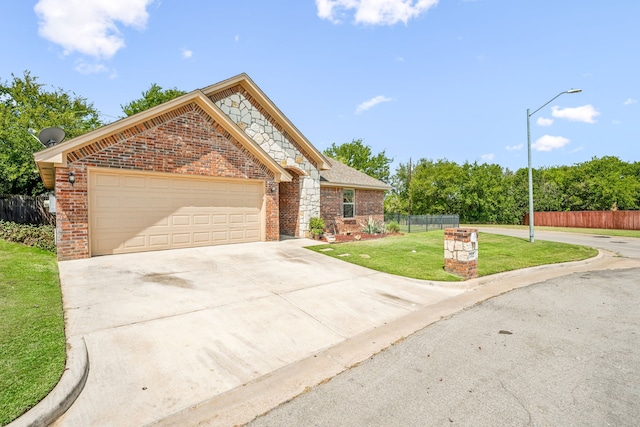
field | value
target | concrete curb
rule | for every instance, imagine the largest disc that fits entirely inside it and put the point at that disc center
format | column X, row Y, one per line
column 64, row 393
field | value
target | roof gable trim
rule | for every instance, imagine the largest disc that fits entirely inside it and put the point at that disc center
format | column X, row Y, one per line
column 56, row 156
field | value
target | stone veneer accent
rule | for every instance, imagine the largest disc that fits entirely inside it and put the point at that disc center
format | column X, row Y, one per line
column 185, row 141
column 368, row 203
column 262, row 128
column 461, row 252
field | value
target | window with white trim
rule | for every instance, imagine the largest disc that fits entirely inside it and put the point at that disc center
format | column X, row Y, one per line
column 348, row 203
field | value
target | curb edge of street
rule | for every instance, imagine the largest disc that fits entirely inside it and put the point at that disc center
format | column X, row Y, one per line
column 71, row 383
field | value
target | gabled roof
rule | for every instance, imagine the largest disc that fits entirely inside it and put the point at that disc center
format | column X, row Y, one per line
column 56, row 156
column 341, row 175
column 247, row 84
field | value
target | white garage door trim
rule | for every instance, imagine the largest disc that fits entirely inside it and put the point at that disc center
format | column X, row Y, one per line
column 131, row 211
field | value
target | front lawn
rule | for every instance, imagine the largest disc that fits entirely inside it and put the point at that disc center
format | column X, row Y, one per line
column 421, row 255
column 32, row 342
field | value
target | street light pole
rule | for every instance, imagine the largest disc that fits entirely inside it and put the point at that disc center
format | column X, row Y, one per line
column 531, row 238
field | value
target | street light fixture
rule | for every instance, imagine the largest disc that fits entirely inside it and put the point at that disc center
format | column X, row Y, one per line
column 529, row 149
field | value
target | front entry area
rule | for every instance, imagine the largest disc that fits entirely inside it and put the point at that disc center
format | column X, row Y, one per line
column 133, row 211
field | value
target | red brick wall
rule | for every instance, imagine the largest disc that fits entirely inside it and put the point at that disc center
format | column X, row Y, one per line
column 185, row 142
column 367, row 203
column 290, row 206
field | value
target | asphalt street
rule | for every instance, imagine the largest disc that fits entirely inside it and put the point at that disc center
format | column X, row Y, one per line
column 560, row 352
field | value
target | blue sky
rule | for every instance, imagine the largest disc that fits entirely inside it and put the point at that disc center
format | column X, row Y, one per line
column 436, row 79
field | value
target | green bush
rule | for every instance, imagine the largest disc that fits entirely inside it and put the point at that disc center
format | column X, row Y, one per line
column 39, row 236
column 392, row 227
column 316, row 225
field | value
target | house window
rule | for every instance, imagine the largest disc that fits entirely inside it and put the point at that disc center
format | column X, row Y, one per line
column 348, row 205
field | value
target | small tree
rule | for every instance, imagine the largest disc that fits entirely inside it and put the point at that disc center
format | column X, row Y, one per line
column 155, row 95
column 24, row 104
column 359, row 156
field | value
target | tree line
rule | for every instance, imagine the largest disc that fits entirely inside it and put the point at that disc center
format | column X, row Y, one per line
column 488, row 193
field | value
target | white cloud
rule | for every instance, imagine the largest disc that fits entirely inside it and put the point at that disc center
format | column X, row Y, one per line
column 186, row 53
column 584, row 114
column 90, row 27
column 85, row 68
column 373, row 12
column 372, row 103
column 616, row 122
column 514, row 147
column 543, row 121
column 236, row 39
column 549, row 143
column 630, row 101
column 487, row 157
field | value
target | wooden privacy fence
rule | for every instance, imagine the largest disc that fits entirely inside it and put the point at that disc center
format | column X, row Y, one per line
column 26, row 210
column 614, row 220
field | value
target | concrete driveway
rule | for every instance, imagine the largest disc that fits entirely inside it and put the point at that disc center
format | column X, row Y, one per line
column 169, row 330
column 219, row 335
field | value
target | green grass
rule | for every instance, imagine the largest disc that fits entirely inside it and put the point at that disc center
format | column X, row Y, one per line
column 599, row 231
column 421, row 255
column 32, row 341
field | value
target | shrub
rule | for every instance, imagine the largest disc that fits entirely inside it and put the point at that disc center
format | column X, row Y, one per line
column 393, row 227
column 372, row 227
column 39, row 236
column 316, row 225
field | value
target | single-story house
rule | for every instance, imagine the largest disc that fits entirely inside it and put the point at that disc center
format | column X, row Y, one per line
column 215, row 166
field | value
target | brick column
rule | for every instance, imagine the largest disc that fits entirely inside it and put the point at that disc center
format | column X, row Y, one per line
column 461, row 252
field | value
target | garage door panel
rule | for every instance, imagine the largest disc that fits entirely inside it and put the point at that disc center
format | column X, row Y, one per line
column 134, row 242
column 235, row 219
column 252, row 234
column 132, row 212
column 220, row 219
column 107, row 180
column 132, row 181
column 201, row 237
column 161, row 240
column 159, row 183
column 236, row 235
column 181, row 238
column 180, row 220
column 203, row 220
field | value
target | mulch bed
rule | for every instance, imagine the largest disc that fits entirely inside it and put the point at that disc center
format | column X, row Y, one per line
column 353, row 237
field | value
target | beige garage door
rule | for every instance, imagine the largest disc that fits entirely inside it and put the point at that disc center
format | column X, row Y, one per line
column 136, row 212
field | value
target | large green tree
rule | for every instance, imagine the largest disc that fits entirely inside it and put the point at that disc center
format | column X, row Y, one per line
column 153, row 96
column 487, row 193
column 359, row 156
column 25, row 103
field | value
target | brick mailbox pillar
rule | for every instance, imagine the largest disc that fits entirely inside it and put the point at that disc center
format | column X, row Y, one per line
column 461, row 252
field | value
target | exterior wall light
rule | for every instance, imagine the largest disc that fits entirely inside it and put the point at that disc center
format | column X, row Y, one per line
column 72, row 178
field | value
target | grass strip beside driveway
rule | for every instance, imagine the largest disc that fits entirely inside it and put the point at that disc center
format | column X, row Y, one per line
column 421, row 255
column 32, row 341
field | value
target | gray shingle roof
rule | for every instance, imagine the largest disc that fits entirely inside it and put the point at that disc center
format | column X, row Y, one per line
column 341, row 175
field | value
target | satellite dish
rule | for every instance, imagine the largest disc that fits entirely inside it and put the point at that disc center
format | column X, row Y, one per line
column 51, row 136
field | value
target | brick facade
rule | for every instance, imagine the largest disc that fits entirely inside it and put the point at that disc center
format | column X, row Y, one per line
column 368, row 203
column 184, row 141
column 290, row 207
